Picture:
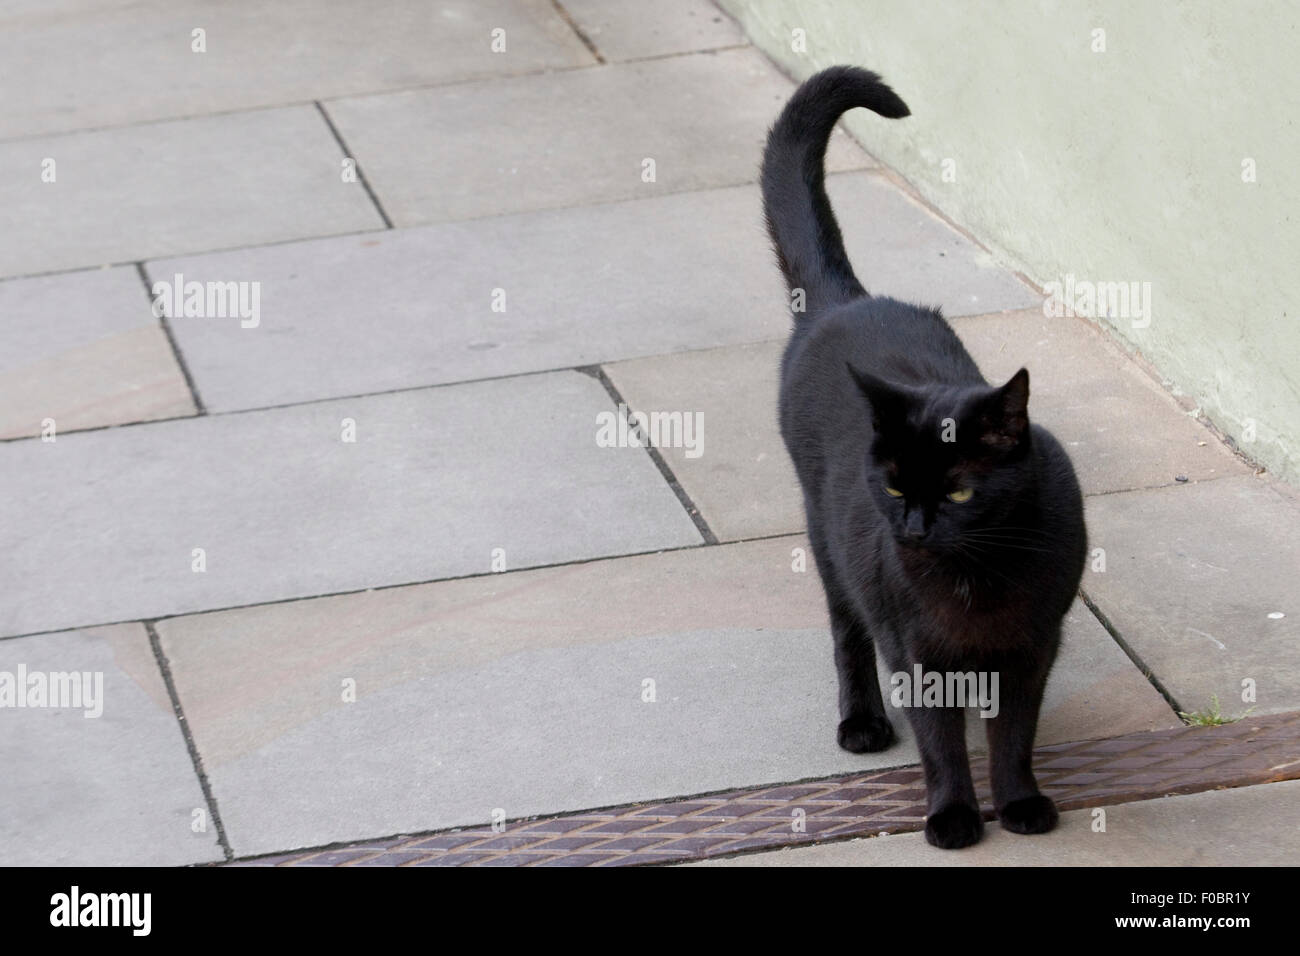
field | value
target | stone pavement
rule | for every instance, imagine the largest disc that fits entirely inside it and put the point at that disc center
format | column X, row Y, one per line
column 1105, row 775
column 345, row 547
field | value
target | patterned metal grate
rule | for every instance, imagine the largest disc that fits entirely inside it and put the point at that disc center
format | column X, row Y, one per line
column 1083, row 774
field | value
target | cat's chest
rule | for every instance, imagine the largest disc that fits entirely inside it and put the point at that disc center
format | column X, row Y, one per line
column 957, row 619
column 983, row 624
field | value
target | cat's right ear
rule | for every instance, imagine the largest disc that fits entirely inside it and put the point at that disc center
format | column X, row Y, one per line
column 886, row 402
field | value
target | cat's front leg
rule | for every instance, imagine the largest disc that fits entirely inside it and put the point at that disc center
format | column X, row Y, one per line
column 953, row 819
column 863, row 728
column 1016, row 797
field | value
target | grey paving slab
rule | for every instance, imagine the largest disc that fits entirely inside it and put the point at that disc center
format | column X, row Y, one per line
column 109, row 784
column 413, row 307
column 84, row 350
column 701, row 118
column 1248, row 826
column 283, row 507
column 740, row 476
column 170, row 188
column 524, row 691
column 1201, row 581
column 1122, row 430
column 900, row 249
column 625, row 29
column 1094, row 690
column 90, row 63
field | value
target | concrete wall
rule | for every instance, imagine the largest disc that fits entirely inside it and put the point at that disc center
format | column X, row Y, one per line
column 1126, row 157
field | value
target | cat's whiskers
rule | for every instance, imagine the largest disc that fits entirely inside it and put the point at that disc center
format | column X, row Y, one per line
column 1010, row 530
column 993, row 538
column 990, row 547
column 975, row 554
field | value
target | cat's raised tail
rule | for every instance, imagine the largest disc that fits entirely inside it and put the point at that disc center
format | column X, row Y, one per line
column 809, row 247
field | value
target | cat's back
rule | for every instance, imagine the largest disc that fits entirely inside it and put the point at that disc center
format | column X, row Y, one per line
column 892, row 340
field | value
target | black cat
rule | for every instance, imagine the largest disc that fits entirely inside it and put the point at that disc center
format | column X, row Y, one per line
column 947, row 529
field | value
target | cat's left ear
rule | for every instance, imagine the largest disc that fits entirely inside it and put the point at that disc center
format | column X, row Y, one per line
column 1004, row 415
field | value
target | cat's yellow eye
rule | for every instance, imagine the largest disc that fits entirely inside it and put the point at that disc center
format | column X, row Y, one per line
column 893, row 492
column 961, row 495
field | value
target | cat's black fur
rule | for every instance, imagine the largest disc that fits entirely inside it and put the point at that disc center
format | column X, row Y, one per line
column 867, row 384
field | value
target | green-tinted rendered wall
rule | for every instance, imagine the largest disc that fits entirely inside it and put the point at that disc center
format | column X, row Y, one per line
column 1164, row 150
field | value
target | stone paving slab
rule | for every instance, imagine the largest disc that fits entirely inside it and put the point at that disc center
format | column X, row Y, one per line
column 357, row 314
column 524, row 691
column 741, row 479
column 1245, row 826
column 91, row 63
column 171, row 188
column 902, row 250
column 84, row 350
column 702, row 118
column 622, row 30
column 1121, row 431
column 1192, row 577
column 117, row 789
column 282, row 507
column 1077, row 774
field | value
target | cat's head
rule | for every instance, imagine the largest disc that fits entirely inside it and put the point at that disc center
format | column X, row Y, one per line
column 947, row 463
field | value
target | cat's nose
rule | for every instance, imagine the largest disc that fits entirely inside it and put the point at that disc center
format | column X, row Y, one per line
column 915, row 528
